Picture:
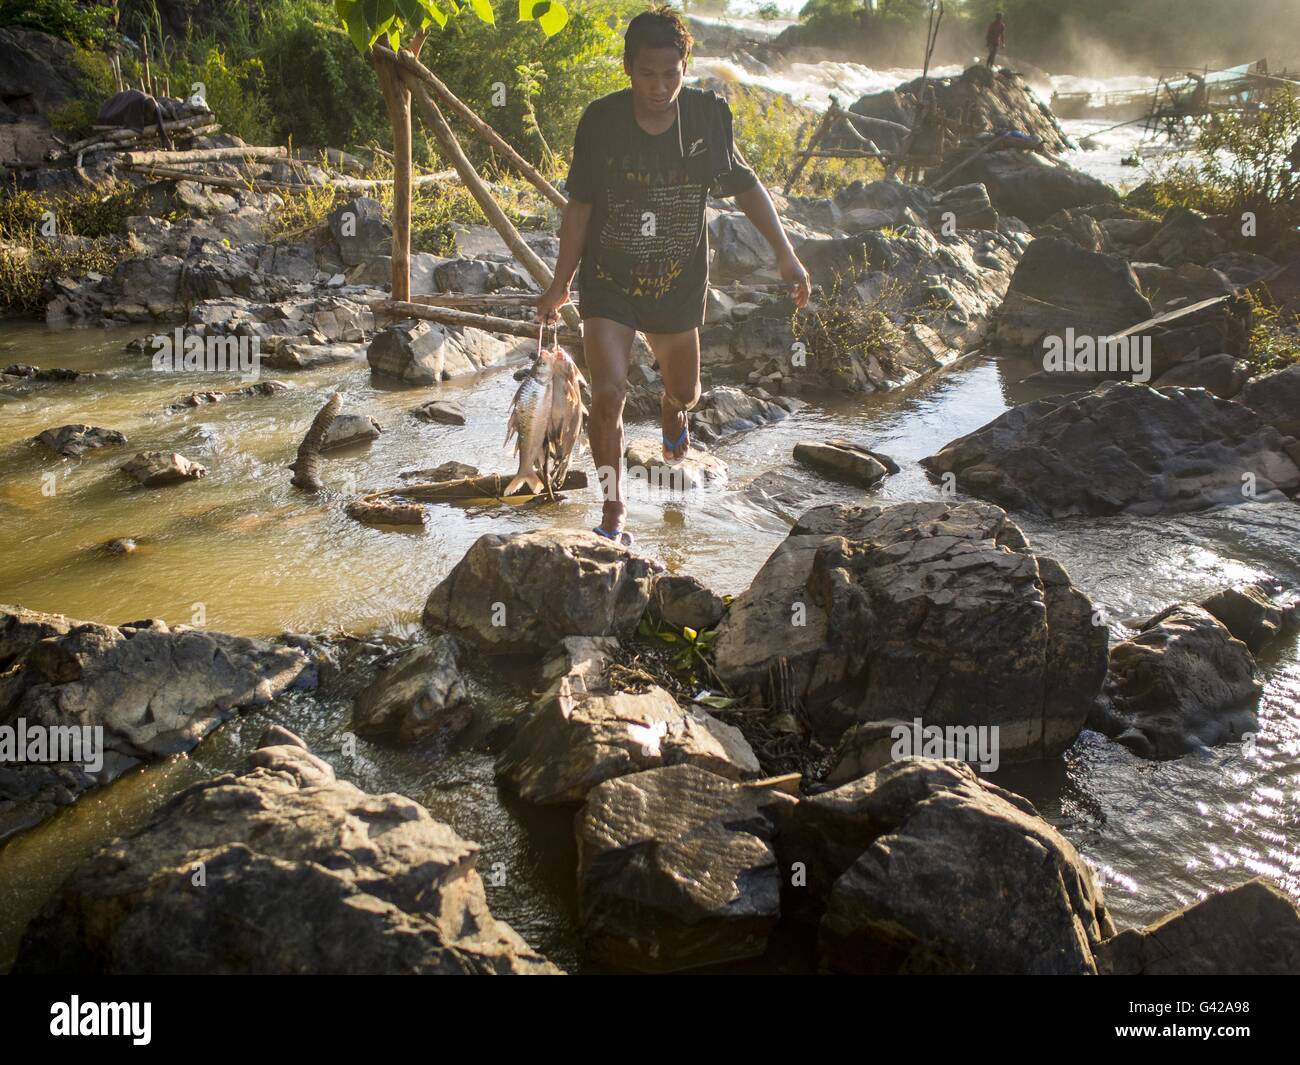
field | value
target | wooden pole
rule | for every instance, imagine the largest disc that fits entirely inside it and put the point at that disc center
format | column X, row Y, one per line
column 204, row 155
column 414, row 68
column 451, row 148
column 397, row 100
column 455, row 316
column 802, row 160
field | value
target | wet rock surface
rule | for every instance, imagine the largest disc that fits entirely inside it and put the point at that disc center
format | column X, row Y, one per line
column 280, row 868
column 522, row 593
column 676, row 869
column 1182, row 682
column 918, row 610
column 1122, row 449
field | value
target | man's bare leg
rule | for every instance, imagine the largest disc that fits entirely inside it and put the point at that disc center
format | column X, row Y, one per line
column 678, row 355
column 608, row 347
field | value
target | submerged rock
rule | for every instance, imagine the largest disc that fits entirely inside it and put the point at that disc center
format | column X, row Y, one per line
column 522, row 593
column 1250, row 930
column 1122, row 449
column 75, row 440
column 350, row 428
column 1182, row 682
column 925, row 610
column 280, row 868
column 420, row 694
column 932, row 870
column 442, row 411
column 1249, row 613
column 154, row 469
column 645, row 462
column 676, row 869
column 845, row 460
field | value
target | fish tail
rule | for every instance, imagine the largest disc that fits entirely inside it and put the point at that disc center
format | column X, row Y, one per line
column 531, row 480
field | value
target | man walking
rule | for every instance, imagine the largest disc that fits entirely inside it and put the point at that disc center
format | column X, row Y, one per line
column 644, row 162
column 995, row 37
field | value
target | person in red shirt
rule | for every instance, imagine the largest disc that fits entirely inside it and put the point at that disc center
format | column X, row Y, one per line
column 995, row 37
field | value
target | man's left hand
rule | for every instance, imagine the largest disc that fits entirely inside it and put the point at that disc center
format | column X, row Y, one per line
column 794, row 275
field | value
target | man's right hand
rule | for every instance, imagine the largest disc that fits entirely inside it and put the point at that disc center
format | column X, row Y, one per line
column 550, row 302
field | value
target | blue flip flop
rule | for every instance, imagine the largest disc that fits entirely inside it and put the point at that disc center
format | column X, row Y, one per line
column 670, row 445
column 619, row 536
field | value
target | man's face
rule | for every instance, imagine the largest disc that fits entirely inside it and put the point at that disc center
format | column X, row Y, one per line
column 656, row 75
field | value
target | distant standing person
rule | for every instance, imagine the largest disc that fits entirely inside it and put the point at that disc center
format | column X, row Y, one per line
column 995, row 37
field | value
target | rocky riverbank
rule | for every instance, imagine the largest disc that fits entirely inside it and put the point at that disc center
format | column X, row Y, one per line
column 803, row 762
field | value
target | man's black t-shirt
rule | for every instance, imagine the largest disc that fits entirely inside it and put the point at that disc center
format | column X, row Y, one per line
column 646, row 258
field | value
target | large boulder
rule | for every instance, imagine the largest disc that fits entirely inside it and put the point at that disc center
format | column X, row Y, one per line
column 925, row 868
column 420, row 694
column 1185, row 236
column 1122, row 448
column 1250, row 930
column 425, row 353
column 522, row 593
column 154, row 690
column 1181, row 683
column 281, row 868
column 1221, row 374
column 676, row 869
column 360, row 231
column 1058, row 285
column 1275, row 397
column 583, row 732
column 40, row 72
column 918, row 610
column 1033, row 188
column 725, row 410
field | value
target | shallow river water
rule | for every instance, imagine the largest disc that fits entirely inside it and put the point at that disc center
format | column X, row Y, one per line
column 258, row 558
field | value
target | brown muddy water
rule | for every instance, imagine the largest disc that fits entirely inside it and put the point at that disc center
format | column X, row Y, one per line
column 251, row 555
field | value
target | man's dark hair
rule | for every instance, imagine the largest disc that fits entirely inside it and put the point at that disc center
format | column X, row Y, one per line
column 661, row 27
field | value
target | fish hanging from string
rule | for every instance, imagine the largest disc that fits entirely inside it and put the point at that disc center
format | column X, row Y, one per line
column 546, row 419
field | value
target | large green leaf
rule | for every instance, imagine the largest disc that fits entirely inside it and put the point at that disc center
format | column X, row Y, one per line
column 554, row 18
column 483, row 9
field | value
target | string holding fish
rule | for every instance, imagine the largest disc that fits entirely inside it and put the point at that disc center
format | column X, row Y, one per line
column 546, row 418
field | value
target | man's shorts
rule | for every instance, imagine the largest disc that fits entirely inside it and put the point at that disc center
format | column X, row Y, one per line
column 678, row 312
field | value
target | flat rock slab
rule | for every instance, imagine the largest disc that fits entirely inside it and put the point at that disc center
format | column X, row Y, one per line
column 845, row 460
column 75, row 440
column 301, row 873
column 155, row 690
column 154, row 469
column 1122, row 449
column 522, row 593
column 676, row 869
